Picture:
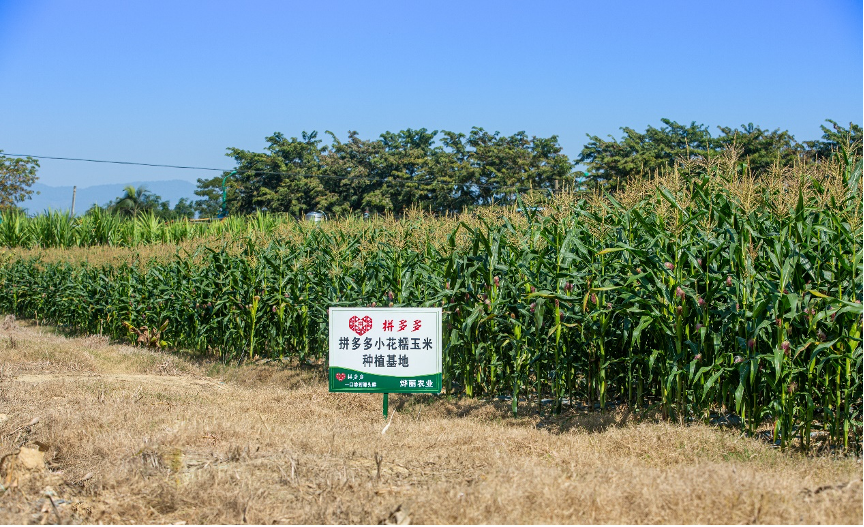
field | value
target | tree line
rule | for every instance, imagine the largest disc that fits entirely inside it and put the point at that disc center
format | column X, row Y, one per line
column 135, row 201
column 614, row 162
column 446, row 171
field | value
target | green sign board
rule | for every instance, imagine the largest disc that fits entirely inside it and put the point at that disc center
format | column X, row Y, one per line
column 385, row 350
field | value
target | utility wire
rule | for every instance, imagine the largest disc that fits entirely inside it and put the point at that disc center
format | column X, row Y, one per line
column 259, row 172
column 4, row 154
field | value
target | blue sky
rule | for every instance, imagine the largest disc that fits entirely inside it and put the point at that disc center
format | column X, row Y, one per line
column 179, row 82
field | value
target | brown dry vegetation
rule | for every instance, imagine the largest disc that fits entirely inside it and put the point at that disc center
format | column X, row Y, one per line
column 136, row 436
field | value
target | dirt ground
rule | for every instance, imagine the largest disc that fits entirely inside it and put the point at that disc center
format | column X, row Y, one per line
column 92, row 432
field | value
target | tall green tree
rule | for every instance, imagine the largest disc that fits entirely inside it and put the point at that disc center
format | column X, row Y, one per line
column 183, row 209
column 504, row 166
column 134, row 201
column 353, row 175
column 759, row 148
column 613, row 162
column 210, row 192
column 834, row 139
column 450, row 166
column 17, row 175
column 405, row 164
column 285, row 178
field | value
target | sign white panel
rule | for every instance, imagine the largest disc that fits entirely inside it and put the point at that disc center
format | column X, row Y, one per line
column 389, row 350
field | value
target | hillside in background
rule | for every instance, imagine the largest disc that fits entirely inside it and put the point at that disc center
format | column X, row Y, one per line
column 60, row 198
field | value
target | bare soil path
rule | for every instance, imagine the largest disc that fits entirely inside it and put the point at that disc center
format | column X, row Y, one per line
column 93, row 432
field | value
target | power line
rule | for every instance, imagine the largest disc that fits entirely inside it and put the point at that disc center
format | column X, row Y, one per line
column 182, row 167
column 4, row 154
column 254, row 171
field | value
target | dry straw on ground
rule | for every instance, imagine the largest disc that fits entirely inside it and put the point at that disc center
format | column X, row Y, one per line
column 134, row 436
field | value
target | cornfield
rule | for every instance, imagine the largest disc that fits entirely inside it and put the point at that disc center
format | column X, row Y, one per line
column 97, row 227
column 701, row 290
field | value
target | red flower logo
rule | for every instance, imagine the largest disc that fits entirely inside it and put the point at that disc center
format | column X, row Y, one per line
column 360, row 325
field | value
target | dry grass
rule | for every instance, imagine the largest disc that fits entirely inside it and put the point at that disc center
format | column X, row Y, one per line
column 135, row 436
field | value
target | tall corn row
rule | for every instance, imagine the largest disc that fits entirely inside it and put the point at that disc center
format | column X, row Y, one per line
column 57, row 229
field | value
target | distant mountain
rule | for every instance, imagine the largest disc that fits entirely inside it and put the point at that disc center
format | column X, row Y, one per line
column 60, row 198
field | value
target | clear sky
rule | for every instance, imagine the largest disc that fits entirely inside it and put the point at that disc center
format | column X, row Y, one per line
column 178, row 82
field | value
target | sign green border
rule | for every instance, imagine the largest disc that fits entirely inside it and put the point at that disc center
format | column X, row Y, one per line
column 386, row 383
